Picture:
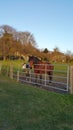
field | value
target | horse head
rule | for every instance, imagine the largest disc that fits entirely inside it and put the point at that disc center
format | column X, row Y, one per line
column 33, row 60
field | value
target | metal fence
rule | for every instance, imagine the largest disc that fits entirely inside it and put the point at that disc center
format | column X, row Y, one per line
column 60, row 78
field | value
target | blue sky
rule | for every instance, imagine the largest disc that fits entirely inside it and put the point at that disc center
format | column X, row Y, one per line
column 50, row 21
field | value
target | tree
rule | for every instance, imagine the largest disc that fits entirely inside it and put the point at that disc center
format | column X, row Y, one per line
column 68, row 56
column 9, row 46
column 5, row 43
column 14, row 42
column 57, row 55
column 45, row 50
column 8, row 29
column 56, row 50
column 26, row 38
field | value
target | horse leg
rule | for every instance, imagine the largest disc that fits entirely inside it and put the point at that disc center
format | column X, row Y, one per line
column 27, row 75
column 40, row 78
column 50, row 76
column 35, row 78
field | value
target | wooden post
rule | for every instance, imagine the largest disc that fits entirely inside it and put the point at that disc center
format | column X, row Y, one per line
column 45, row 73
column 18, row 75
column 71, row 79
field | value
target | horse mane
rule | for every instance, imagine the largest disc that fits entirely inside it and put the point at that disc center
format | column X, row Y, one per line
column 35, row 59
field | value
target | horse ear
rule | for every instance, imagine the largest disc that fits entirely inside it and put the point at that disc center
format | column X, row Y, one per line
column 29, row 57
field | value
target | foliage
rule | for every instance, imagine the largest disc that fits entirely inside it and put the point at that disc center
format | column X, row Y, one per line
column 8, row 46
column 15, row 43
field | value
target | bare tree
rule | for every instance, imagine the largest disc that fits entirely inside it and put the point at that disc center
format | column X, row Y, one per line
column 8, row 29
column 26, row 38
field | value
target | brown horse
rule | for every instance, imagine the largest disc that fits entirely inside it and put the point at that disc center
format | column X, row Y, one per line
column 41, row 67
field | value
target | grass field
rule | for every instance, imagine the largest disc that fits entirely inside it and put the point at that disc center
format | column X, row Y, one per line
column 24, row 107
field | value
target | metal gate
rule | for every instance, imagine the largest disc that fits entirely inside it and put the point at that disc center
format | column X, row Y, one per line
column 60, row 78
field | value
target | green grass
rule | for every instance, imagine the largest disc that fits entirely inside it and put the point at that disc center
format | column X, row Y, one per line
column 24, row 107
column 16, row 63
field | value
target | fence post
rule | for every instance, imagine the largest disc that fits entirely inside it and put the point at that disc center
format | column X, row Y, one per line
column 68, row 77
column 18, row 75
column 30, row 74
column 45, row 74
column 11, row 71
column 71, row 79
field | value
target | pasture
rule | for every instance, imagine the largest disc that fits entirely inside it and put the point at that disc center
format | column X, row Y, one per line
column 24, row 107
column 60, row 75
